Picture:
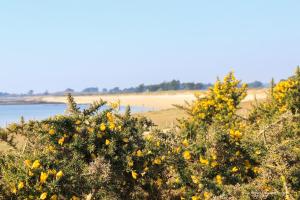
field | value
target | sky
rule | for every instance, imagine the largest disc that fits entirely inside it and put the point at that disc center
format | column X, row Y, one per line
column 54, row 44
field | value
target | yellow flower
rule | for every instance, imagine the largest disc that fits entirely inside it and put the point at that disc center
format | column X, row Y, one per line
column 195, row 198
column 52, row 131
column 186, row 155
column 51, row 148
column 158, row 144
column 54, row 197
column 201, row 115
column 148, row 137
column 185, row 142
column 75, row 198
column 78, row 122
column 27, row 163
column 115, row 105
column 61, row 141
column 134, row 174
column 125, row 140
column 256, row 170
column 203, row 161
column 139, row 153
column 112, row 126
column 195, row 179
column 146, row 169
column 43, row 196
column 36, row 164
column 238, row 134
column 130, row 163
column 109, row 116
column 213, row 163
column 90, row 130
column 13, row 190
column 176, row 150
column 20, row 185
column 51, row 171
column 257, row 152
column 43, row 177
column 59, row 175
column 235, row 134
column 107, row 142
column 157, row 161
column 214, row 157
column 102, row 127
column 206, row 195
column 219, row 179
column 30, row 173
column 234, row 169
column 158, row 182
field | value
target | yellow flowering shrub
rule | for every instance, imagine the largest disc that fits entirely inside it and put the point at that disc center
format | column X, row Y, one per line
column 221, row 102
column 286, row 94
column 100, row 154
column 213, row 154
column 214, row 151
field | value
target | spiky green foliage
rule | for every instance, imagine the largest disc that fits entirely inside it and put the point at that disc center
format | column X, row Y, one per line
column 98, row 153
column 101, row 154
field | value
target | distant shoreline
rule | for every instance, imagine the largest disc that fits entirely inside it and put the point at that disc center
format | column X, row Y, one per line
column 25, row 102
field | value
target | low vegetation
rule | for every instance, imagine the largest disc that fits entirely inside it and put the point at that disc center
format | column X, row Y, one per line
column 214, row 153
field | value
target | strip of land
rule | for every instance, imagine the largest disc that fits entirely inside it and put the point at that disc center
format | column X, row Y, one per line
column 155, row 100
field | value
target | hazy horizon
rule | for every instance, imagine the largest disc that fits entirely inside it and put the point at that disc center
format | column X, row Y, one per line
column 56, row 45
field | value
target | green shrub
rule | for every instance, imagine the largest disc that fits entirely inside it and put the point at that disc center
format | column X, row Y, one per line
column 98, row 153
column 93, row 152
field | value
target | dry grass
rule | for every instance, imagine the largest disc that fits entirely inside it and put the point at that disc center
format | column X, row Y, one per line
column 165, row 118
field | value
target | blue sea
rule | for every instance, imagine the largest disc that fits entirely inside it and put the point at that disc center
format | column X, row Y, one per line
column 13, row 113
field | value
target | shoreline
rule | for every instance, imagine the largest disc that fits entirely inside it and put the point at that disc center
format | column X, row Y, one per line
column 25, row 102
column 22, row 101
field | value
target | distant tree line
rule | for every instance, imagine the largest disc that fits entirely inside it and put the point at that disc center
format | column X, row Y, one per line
column 256, row 84
column 164, row 86
column 171, row 85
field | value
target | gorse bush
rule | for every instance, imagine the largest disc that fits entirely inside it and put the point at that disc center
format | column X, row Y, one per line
column 215, row 143
column 90, row 153
column 214, row 153
column 286, row 93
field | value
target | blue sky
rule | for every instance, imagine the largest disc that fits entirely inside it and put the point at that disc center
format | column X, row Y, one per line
column 58, row 44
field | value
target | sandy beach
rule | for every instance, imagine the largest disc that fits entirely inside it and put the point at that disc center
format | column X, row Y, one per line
column 156, row 101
